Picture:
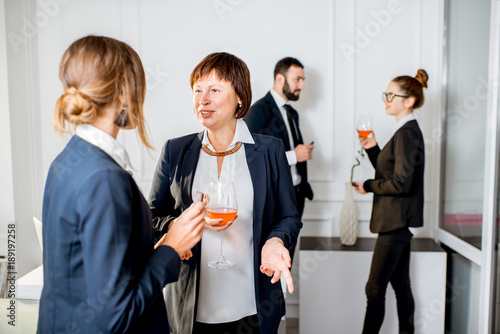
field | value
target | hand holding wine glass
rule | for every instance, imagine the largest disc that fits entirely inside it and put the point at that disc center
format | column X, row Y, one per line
column 365, row 132
column 223, row 207
column 185, row 231
column 368, row 142
column 217, row 224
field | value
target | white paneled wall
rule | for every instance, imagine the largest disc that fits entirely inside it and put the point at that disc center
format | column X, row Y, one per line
column 6, row 184
column 351, row 50
column 21, row 20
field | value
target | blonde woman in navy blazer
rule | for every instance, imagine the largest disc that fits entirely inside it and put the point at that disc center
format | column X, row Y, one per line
column 398, row 202
column 221, row 97
column 102, row 271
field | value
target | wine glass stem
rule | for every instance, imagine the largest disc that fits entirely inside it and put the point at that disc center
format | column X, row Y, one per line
column 222, row 244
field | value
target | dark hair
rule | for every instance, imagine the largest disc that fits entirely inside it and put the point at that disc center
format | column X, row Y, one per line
column 413, row 86
column 95, row 71
column 284, row 64
column 229, row 68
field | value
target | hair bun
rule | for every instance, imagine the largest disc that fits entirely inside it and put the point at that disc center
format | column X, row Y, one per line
column 422, row 77
column 76, row 107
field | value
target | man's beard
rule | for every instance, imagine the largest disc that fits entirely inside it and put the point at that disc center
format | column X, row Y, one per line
column 288, row 93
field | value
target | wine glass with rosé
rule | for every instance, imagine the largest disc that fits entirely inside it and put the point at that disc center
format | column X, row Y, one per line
column 364, row 128
column 223, row 205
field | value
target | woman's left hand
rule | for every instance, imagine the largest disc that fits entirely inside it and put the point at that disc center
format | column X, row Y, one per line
column 213, row 224
column 276, row 260
column 358, row 186
column 187, row 255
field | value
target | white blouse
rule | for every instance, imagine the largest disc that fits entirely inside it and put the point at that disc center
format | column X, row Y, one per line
column 290, row 155
column 399, row 124
column 228, row 295
column 107, row 143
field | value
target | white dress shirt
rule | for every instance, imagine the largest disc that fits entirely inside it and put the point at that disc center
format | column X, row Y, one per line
column 228, row 295
column 403, row 121
column 107, row 143
column 290, row 155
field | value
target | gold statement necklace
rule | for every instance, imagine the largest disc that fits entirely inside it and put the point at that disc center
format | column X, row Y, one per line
column 221, row 154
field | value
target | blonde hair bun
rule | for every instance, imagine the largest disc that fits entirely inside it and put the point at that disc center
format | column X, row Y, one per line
column 422, row 77
column 76, row 107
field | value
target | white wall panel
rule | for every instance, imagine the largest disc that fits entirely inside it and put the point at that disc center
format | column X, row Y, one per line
column 51, row 49
column 23, row 23
column 6, row 174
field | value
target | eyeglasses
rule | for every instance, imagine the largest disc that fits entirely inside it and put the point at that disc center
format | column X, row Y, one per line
column 390, row 96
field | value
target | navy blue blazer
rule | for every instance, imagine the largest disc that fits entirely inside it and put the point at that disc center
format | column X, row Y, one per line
column 101, row 273
column 274, row 215
column 265, row 118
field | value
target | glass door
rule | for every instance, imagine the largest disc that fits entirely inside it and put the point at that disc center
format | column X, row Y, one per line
column 466, row 98
column 469, row 199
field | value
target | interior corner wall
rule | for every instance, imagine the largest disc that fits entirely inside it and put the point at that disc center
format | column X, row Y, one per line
column 26, row 149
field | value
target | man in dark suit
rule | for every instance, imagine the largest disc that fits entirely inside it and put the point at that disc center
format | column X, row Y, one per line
column 273, row 115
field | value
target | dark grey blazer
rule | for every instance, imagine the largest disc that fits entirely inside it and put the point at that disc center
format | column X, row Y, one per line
column 398, row 186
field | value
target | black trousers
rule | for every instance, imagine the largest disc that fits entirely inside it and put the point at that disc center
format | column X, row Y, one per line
column 390, row 264
column 247, row 325
column 301, row 202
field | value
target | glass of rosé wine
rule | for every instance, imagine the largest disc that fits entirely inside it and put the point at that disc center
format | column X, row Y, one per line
column 365, row 126
column 223, row 205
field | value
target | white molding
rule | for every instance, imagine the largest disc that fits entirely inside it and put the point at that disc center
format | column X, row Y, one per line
column 7, row 213
column 460, row 246
column 331, row 65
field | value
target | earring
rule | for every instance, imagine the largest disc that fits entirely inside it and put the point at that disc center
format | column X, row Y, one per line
column 122, row 119
column 238, row 109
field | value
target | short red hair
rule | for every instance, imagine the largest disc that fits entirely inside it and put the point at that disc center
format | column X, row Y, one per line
column 228, row 68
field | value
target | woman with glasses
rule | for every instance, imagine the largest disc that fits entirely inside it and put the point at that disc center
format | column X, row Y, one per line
column 398, row 202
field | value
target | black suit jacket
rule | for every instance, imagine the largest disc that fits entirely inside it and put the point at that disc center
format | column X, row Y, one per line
column 265, row 117
column 274, row 215
column 398, row 186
